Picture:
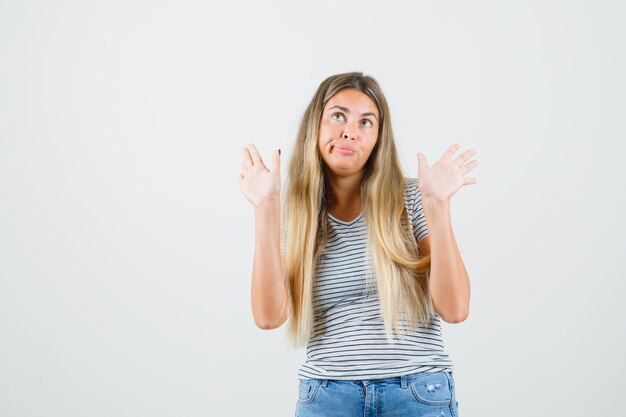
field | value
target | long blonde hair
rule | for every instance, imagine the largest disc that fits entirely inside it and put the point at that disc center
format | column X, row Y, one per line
column 401, row 274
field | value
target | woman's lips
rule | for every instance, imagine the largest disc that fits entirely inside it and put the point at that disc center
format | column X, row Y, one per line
column 344, row 150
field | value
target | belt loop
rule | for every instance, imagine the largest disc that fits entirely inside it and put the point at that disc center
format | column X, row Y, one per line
column 324, row 383
column 403, row 382
column 450, row 377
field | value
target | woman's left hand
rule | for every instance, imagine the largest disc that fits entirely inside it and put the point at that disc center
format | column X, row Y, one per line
column 442, row 180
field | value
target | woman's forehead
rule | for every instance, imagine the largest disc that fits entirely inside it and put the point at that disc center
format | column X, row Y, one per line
column 354, row 100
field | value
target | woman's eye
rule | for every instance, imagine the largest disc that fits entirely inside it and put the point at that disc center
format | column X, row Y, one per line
column 366, row 122
column 338, row 116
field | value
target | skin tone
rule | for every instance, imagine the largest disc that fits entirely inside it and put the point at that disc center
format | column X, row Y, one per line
column 261, row 186
column 449, row 282
column 348, row 134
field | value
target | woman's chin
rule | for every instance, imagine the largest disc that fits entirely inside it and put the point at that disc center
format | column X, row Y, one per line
column 344, row 170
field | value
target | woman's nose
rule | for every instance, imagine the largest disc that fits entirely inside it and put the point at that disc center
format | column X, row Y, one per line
column 349, row 133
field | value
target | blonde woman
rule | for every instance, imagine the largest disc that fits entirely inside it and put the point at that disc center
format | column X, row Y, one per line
column 363, row 263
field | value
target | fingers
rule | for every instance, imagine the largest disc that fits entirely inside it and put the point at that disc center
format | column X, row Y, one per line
column 465, row 156
column 469, row 166
column 247, row 159
column 276, row 162
column 254, row 154
column 451, row 151
column 252, row 158
column 246, row 164
column 422, row 163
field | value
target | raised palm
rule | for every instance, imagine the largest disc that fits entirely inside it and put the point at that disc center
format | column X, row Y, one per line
column 443, row 179
column 258, row 183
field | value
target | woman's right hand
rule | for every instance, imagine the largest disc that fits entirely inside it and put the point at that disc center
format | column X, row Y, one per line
column 258, row 183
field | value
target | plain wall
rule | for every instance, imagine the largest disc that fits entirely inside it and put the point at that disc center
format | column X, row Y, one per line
column 126, row 246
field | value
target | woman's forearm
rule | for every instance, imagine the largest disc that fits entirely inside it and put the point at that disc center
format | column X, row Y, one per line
column 449, row 281
column 269, row 291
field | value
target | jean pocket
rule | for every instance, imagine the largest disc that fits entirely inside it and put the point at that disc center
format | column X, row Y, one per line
column 307, row 390
column 432, row 388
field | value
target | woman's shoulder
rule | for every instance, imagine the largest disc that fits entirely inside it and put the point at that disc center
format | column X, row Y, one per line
column 413, row 204
column 411, row 182
column 411, row 187
column 412, row 196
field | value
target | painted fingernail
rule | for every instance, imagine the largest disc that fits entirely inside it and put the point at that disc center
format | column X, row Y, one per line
column 278, row 151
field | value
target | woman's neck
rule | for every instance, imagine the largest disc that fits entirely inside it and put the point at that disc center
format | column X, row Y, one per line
column 345, row 203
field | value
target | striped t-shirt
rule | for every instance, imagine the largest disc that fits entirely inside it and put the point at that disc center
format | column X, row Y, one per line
column 349, row 341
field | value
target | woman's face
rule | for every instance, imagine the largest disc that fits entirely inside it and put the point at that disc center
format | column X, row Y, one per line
column 348, row 132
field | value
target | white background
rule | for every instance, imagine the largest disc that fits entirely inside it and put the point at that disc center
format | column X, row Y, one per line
column 126, row 246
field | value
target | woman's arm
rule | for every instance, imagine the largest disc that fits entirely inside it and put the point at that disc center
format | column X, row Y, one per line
column 269, row 296
column 261, row 186
column 449, row 281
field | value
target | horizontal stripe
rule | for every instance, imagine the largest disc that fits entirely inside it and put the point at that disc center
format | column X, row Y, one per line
column 349, row 340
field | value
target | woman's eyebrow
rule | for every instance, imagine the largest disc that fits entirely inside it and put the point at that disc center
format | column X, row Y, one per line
column 348, row 111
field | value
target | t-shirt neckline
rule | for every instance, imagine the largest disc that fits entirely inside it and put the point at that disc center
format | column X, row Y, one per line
column 356, row 219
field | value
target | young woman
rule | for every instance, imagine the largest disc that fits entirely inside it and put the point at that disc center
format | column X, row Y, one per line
column 364, row 262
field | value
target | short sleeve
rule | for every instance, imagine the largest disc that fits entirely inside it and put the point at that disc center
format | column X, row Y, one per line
column 413, row 198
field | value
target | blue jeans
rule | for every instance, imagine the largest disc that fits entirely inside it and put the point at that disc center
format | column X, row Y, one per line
column 420, row 394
